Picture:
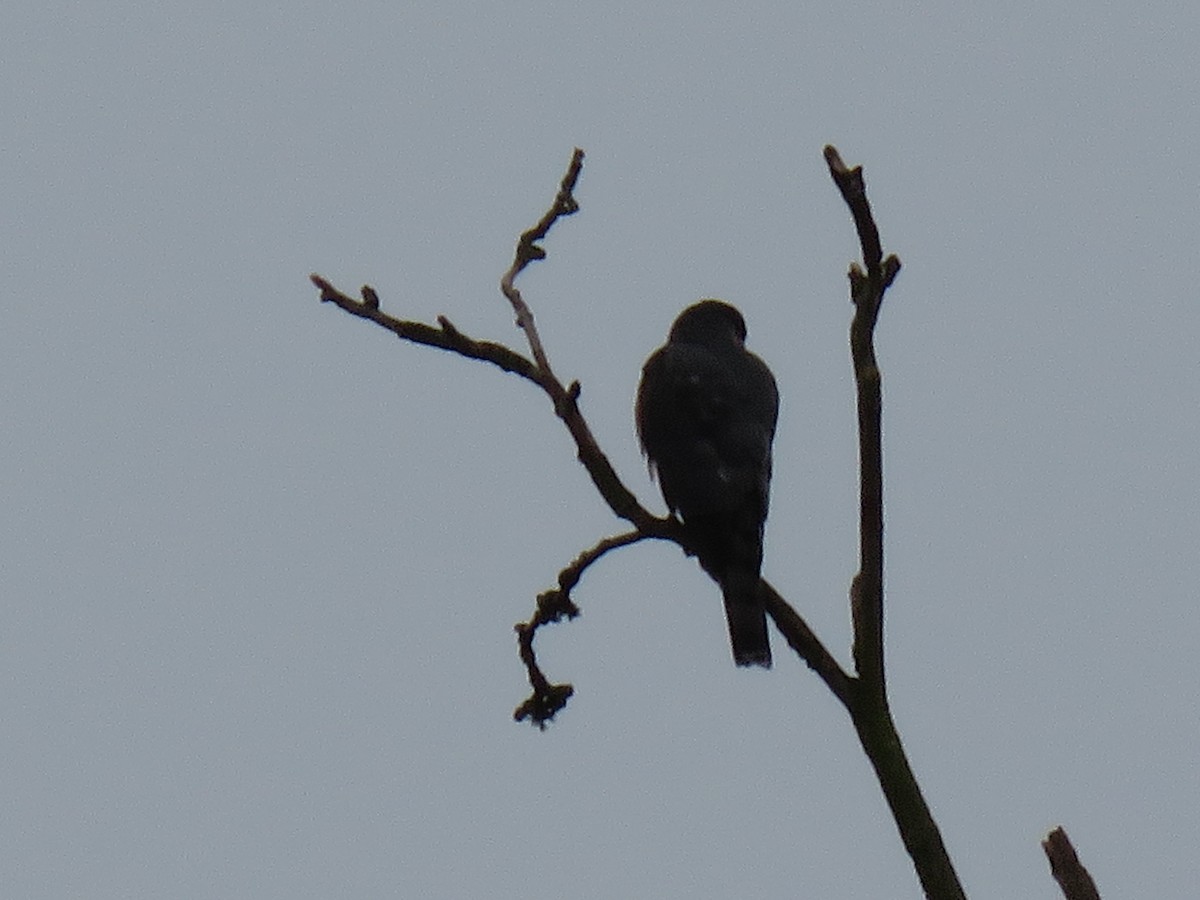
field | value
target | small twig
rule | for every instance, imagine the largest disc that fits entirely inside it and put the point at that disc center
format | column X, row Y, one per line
column 1066, row 868
column 553, row 606
column 854, row 192
column 566, row 399
column 528, row 250
column 569, row 577
column 547, row 699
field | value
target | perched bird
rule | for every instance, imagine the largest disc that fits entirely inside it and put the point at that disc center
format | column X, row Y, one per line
column 706, row 412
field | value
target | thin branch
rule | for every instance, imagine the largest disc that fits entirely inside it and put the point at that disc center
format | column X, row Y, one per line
column 528, row 251
column 854, row 192
column 1066, row 868
column 566, row 399
column 806, row 644
column 547, row 699
column 553, row 606
column 569, row 577
column 446, row 337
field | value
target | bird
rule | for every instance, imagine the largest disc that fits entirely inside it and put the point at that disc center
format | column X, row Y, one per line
column 705, row 414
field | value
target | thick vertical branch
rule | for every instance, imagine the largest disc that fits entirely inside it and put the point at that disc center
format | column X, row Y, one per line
column 918, row 830
column 866, row 593
column 868, row 706
column 866, row 292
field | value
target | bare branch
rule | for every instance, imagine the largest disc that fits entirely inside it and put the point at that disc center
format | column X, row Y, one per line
column 1066, row 868
column 447, row 337
column 868, row 696
column 569, row 577
column 547, row 699
column 809, row 647
column 854, row 192
column 528, row 251
column 553, row 606
column 866, row 292
column 566, row 400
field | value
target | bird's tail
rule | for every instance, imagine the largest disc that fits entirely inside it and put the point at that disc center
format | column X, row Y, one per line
column 747, row 619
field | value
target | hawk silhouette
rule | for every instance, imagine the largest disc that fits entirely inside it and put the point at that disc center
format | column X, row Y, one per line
column 706, row 412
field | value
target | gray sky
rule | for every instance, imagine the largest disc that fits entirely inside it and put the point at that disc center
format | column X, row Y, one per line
column 260, row 561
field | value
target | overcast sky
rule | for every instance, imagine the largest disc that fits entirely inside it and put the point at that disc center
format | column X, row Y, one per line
column 260, row 561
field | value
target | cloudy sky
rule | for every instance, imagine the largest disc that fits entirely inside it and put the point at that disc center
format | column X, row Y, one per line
column 260, row 561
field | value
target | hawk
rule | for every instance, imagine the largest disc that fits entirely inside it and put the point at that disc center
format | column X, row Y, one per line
column 706, row 412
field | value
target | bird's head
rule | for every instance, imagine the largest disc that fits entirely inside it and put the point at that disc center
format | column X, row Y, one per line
column 709, row 322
